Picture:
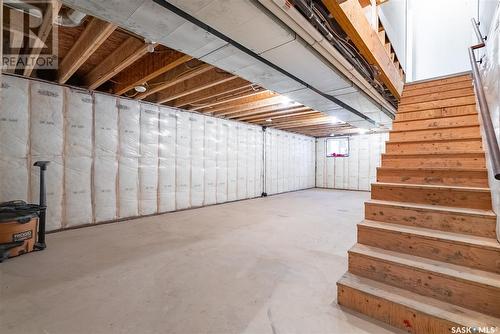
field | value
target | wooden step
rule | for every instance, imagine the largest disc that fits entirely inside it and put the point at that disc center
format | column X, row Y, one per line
column 443, row 146
column 465, row 197
column 436, row 113
column 437, row 159
column 452, row 102
column 404, row 309
column 466, row 132
column 438, row 176
column 437, row 82
column 481, row 223
column 437, row 89
column 463, row 250
column 471, row 288
column 435, row 123
column 443, row 95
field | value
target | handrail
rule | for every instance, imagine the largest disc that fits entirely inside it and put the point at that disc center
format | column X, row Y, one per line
column 489, row 131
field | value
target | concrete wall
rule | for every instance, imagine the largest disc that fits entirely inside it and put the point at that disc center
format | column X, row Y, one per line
column 355, row 172
column 114, row 158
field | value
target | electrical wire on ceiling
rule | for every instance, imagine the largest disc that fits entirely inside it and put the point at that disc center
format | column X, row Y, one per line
column 319, row 17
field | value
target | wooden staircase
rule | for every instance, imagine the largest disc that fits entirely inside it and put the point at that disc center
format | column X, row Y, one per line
column 427, row 258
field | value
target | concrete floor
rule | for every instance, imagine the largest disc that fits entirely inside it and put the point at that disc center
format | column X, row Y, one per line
column 267, row 265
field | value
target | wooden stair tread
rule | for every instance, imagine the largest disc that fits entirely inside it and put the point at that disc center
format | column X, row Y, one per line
column 432, row 187
column 431, row 140
column 438, row 119
column 428, row 207
column 455, row 153
column 427, row 305
column 431, row 169
column 477, row 276
column 456, row 238
column 435, row 129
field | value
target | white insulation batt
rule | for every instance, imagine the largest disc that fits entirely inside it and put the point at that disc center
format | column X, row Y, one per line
column 78, row 158
column 105, row 157
column 355, row 172
column 167, row 157
column 128, row 163
column 148, row 162
column 113, row 157
column 290, row 161
column 14, row 139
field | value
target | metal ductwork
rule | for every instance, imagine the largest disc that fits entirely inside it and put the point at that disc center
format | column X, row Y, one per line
column 71, row 18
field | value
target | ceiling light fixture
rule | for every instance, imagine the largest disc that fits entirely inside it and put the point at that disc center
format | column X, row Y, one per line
column 269, row 120
column 140, row 88
column 362, row 131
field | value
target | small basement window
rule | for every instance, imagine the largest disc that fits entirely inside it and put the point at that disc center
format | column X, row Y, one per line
column 337, row 147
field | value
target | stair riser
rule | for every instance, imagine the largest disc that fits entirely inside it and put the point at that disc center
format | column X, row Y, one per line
column 436, row 113
column 437, row 89
column 444, row 197
column 462, row 145
column 452, row 290
column 391, row 313
column 438, row 83
column 453, row 102
column 459, row 121
column 436, row 177
column 436, row 220
column 432, row 248
column 463, row 161
column 437, row 134
column 456, row 93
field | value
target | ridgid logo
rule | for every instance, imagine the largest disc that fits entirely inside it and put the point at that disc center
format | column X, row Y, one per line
column 474, row 330
column 30, row 35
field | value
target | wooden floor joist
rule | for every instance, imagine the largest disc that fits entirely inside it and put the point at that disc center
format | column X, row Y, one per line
column 95, row 34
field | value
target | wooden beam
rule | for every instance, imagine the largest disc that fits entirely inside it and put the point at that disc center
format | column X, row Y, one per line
column 212, row 92
column 227, row 97
column 175, row 77
column 49, row 19
column 208, row 79
column 276, row 114
column 96, row 33
column 237, row 103
column 125, row 55
column 350, row 16
column 148, row 68
column 260, row 110
column 275, row 100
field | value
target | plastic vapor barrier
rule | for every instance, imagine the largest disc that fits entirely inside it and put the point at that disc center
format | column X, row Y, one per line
column 355, row 172
column 210, row 164
column 128, row 162
column 113, row 157
column 222, row 160
column 14, row 139
column 78, row 158
column 167, row 162
column 197, row 159
column 148, row 161
column 290, row 161
column 47, row 143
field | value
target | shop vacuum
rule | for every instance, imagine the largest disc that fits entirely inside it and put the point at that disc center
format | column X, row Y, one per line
column 22, row 225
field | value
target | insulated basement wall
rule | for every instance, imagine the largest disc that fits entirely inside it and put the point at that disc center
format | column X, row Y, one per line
column 113, row 157
column 289, row 161
column 355, row 172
